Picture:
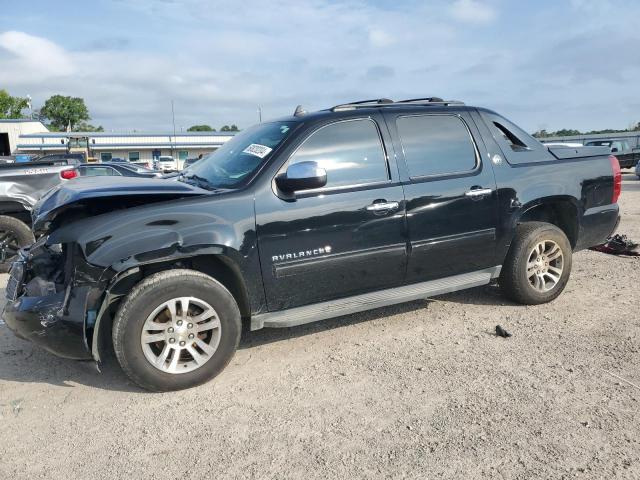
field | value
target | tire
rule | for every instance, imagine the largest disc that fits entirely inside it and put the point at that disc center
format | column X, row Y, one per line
column 147, row 311
column 520, row 278
column 14, row 235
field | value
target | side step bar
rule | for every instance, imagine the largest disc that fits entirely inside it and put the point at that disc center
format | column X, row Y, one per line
column 367, row 301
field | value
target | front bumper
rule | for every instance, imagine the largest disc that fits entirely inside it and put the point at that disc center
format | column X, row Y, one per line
column 46, row 322
column 55, row 322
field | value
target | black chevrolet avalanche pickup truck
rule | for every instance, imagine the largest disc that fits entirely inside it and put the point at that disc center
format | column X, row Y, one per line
column 292, row 221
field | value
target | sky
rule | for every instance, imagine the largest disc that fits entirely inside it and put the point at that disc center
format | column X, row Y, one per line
column 544, row 64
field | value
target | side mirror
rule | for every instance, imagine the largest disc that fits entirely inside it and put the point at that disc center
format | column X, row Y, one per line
column 302, row 176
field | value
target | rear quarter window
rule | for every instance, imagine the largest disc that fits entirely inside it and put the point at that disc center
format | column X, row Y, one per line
column 517, row 145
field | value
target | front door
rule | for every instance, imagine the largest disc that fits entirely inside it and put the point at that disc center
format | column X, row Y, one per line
column 346, row 238
column 452, row 202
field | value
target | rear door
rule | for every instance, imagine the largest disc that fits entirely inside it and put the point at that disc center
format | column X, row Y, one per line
column 452, row 207
column 346, row 238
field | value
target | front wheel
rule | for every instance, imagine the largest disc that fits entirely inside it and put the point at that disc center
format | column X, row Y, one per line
column 175, row 330
column 14, row 235
column 538, row 264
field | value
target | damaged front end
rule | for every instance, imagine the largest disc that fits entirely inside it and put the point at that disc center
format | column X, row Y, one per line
column 50, row 294
column 58, row 289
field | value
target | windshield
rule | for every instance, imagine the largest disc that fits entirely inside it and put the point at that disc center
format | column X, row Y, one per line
column 239, row 158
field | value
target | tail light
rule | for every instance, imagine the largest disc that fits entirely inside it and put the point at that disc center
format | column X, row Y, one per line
column 617, row 178
column 69, row 174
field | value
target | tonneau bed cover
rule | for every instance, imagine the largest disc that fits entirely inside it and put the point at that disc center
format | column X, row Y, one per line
column 563, row 153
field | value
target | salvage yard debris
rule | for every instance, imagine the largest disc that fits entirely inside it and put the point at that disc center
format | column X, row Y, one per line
column 501, row 332
column 618, row 245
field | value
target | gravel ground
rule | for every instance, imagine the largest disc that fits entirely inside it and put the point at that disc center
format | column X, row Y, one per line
column 420, row 390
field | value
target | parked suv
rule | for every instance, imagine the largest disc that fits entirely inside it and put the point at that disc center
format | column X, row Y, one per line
column 301, row 219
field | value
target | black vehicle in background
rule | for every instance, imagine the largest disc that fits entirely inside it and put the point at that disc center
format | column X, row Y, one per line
column 301, row 219
column 117, row 169
column 71, row 158
column 627, row 156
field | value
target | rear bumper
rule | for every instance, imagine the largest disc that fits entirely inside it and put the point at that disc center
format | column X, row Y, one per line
column 52, row 323
column 597, row 225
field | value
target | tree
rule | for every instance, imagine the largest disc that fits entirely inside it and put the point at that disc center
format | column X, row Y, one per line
column 541, row 134
column 87, row 127
column 201, row 128
column 64, row 111
column 565, row 132
column 11, row 107
column 227, row 128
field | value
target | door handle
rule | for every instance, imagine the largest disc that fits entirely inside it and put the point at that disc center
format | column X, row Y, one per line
column 478, row 192
column 382, row 206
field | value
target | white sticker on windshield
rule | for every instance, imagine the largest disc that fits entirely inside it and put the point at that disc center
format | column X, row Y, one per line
column 257, row 150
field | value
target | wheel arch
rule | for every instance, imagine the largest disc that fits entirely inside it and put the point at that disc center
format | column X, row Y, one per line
column 16, row 209
column 220, row 267
column 563, row 212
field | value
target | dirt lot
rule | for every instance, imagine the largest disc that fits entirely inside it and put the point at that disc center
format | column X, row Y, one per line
column 421, row 390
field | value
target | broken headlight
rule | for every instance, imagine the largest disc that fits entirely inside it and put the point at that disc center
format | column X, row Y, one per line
column 45, row 269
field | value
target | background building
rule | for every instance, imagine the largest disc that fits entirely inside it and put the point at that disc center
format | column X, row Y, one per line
column 129, row 146
column 11, row 130
column 32, row 137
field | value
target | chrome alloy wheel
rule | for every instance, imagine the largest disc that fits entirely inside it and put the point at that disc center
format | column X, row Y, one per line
column 544, row 266
column 180, row 335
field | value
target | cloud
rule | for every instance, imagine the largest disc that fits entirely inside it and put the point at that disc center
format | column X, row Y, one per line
column 220, row 60
column 27, row 52
column 379, row 72
column 380, row 38
column 109, row 43
column 590, row 57
column 472, row 11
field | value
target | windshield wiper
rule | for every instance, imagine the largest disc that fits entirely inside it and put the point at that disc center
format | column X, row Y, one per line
column 199, row 181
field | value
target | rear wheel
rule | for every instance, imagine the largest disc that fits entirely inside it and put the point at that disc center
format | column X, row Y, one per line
column 538, row 264
column 175, row 330
column 14, row 235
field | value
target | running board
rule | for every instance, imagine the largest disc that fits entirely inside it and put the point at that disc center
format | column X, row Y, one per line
column 367, row 301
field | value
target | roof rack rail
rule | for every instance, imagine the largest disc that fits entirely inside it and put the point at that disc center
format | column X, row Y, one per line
column 425, row 99
column 369, row 103
column 436, row 100
column 385, row 102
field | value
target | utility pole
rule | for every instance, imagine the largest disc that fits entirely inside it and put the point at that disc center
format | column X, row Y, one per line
column 259, row 114
column 173, row 116
column 30, row 106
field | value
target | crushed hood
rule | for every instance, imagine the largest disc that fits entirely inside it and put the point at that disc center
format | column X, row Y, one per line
column 108, row 193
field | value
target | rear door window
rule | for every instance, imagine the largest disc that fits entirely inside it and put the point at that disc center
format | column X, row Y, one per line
column 436, row 145
column 350, row 151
